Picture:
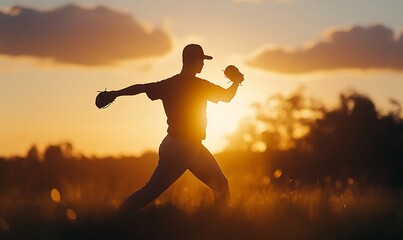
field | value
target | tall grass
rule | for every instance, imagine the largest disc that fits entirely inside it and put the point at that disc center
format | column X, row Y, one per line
column 259, row 210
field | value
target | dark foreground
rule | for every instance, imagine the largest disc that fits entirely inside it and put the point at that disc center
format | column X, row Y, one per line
column 302, row 214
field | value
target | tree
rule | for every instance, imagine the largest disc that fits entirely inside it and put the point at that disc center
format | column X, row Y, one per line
column 278, row 123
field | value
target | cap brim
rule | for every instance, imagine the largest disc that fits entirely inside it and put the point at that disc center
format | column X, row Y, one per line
column 208, row 57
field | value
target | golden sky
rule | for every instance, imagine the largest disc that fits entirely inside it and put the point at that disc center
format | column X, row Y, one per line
column 55, row 56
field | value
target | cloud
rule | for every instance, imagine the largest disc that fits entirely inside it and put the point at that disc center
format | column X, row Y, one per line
column 373, row 47
column 73, row 34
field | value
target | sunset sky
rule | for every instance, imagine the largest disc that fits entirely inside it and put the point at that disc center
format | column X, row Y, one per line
column 56, row 54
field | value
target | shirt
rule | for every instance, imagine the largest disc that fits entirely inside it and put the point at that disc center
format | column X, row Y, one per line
column 185, row 102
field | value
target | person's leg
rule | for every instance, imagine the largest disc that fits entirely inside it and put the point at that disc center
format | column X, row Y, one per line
column 206, row 168
column 170, row 167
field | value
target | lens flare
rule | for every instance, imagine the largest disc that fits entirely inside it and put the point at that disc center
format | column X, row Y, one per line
column 71, row 214
column 278, row 173
column 55, row 195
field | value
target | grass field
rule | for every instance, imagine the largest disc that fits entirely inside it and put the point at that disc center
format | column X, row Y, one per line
column 259, row 210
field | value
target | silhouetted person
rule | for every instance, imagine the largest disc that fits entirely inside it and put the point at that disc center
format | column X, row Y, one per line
column 184, row 97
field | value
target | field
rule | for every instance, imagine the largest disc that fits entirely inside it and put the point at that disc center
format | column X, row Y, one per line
column 263, row 207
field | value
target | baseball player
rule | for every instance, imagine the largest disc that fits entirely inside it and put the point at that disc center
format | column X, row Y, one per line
column 184, row 97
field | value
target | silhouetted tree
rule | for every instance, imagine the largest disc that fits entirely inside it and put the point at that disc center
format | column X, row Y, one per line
column 278, row 123
column 33, row 154
column 352, row 141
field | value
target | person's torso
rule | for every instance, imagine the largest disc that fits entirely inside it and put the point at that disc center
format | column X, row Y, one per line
column 185, row 103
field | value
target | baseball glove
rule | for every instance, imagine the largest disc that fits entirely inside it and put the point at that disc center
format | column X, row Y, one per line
column 233, row 74
column 104, row 99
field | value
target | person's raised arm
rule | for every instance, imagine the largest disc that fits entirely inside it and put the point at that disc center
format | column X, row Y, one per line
column 229, row 93
column 236, row 78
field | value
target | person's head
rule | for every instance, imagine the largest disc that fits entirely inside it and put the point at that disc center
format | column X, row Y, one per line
column 193, row 58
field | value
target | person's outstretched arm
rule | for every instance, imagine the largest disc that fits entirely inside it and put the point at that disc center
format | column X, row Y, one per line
column 105, row 98
column 129, row 91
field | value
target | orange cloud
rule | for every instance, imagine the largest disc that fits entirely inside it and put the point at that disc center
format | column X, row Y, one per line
column 73, row 34
column 374, row 47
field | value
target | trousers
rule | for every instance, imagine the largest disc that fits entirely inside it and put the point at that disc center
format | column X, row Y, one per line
column 176, row 155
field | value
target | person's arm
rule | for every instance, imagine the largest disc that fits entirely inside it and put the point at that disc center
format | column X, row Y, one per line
column 228, row 94
column 236, row 77
column 129, row 91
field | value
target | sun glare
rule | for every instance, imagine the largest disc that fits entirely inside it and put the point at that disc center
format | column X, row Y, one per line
column 223, row 119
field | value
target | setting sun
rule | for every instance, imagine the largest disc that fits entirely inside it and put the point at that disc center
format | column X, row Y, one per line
column 223, row 119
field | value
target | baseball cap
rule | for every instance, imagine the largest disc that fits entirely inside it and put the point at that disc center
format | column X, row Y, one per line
column 194, row 51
